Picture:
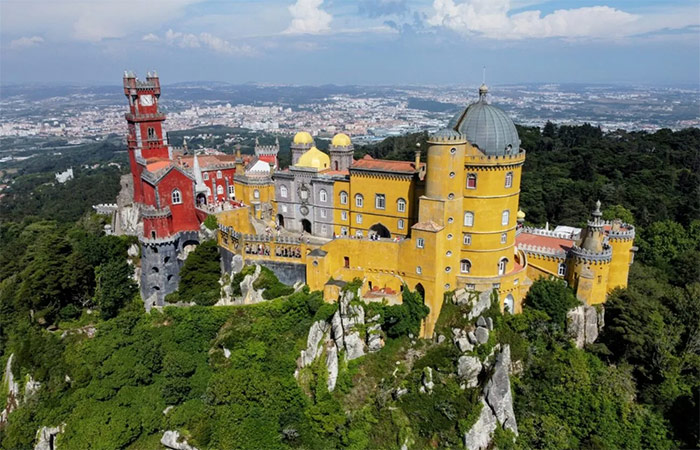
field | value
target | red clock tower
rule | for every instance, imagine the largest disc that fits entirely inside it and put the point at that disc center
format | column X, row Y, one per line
column 145, row 122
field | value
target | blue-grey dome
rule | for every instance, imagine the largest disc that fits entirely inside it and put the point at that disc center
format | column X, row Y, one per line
column 448, row 133
column 487, row 127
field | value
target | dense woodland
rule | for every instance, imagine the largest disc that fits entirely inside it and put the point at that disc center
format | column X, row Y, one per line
column 638, row 386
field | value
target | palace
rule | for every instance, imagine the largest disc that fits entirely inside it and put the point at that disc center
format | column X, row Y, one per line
column 451, row 223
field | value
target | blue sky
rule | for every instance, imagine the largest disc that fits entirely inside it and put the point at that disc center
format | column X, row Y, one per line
column 352, row 42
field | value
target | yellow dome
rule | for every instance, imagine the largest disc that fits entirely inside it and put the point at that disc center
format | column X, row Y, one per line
column 303, row 137
column 314, row 158
column 341, row 140
column 521, row 214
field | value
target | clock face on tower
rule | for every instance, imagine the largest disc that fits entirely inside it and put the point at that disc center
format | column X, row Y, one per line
column 147, row 100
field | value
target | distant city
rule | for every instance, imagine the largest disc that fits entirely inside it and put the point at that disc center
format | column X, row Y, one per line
column 78, row 114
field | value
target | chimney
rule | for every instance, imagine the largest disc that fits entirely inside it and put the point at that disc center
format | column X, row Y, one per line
column 417, row 162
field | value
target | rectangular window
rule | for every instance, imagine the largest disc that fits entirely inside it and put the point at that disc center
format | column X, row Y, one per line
column 471, row 181
column 324, row 229
column 346, row 262
column 420, row 243
column 343, row 231
column 504, row 238
column 400, row 224
column 467, row 239
column 505, row 217
column 496, row 285
column 358, row 218
column 471, row 287
column 380, row 201
column 509, row 179
column 323, row 213
column 344, row 215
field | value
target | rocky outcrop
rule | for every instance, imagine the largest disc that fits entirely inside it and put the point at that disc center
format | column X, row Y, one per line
column 375, row 337
column 469, row 368
column 479, row 435
column 331, row 365
column 497, row 404
column 461, row 340
column 584, row 323
column 318, row 330
column 479, row 301
column 31, row 387
column 249, row 294
column 347, row 324
column 12, row 387
column 427, row 383
column 172, row 440
column 482, row 335
column 205, row 233
column 498, row 394
column 46, row 437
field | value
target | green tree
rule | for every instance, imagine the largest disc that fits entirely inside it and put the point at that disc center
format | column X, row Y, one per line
column 553, row 297
column 400, row 320
column 199, row 276
column 114, row 287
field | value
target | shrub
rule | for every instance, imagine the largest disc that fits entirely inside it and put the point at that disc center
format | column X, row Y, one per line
column 553, row 297
column 210, row 222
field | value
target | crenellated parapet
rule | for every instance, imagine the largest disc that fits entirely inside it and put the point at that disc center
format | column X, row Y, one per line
column 625, row 232
column 593, row 257
column 150, row 212
column 548, row 233
column 510, row 159
column 542, row 251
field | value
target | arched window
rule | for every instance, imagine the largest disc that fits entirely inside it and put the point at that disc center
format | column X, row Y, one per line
column 359, row 200
column 343, row 198
column 465, row 266
column 205, row 176
column 151, row 134
column 505, row 217
column 504, row 238
column 256, row 194
column 218, row 174
column 400, row 224
column 176, row 197
column 283, row 191
column 468, row 219
column 358, row 218
column 509, row 304
column 219, row 190
column 401, row 205
column 509, row 179
column 471, row 181
column 467, row 239
column 323, row 195
column 502, row 264
column 562, row 269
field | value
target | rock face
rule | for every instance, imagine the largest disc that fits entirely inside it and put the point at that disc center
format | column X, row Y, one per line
column 347, row 324
column 479, row 435
column 482, row 303
column 331, row 364
column 461, row 340
column 497, row 405
column 498, row 394
column 171, row 439
column 46, row 437
column 469, row 368
column 12, row 390
column 427, row 381
column 248, row 293
column 375, row 341
column 584, row 323
column 313, row 348
column 482, row 335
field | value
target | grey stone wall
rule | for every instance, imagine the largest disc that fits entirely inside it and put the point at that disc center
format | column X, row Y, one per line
column 288, row 273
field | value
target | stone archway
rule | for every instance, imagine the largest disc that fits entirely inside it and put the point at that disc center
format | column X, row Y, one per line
column 280, row 220
column 380, row 230
column 509, row 304
column 421, row 290
column 306, row 225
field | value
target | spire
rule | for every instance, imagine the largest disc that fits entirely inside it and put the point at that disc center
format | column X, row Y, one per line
column 483, row 90
column 198, row 181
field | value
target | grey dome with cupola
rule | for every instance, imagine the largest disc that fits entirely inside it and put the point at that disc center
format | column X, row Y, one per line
column 487, row 127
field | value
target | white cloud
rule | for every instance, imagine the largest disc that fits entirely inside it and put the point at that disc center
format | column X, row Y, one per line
column 309, row 18
column 88, row 20
column 491, row 19
column 201, row 40
column 25, row 42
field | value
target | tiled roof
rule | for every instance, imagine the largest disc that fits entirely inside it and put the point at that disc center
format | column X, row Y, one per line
column 384, row 165
column 210, row 161
column 154, row 165
column 427, row 226
column 538, row 240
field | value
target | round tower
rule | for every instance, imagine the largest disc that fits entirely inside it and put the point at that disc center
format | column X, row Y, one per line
column 591, row 262
column 490, row 191
column 621, row 240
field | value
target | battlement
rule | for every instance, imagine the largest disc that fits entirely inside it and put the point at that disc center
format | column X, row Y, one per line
column 149, row 212
column 105, row 208
column 540, row 250
column 592, row 256
column 549, row 233
column 495, row 160
column 133, row 84
column 267, row 150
